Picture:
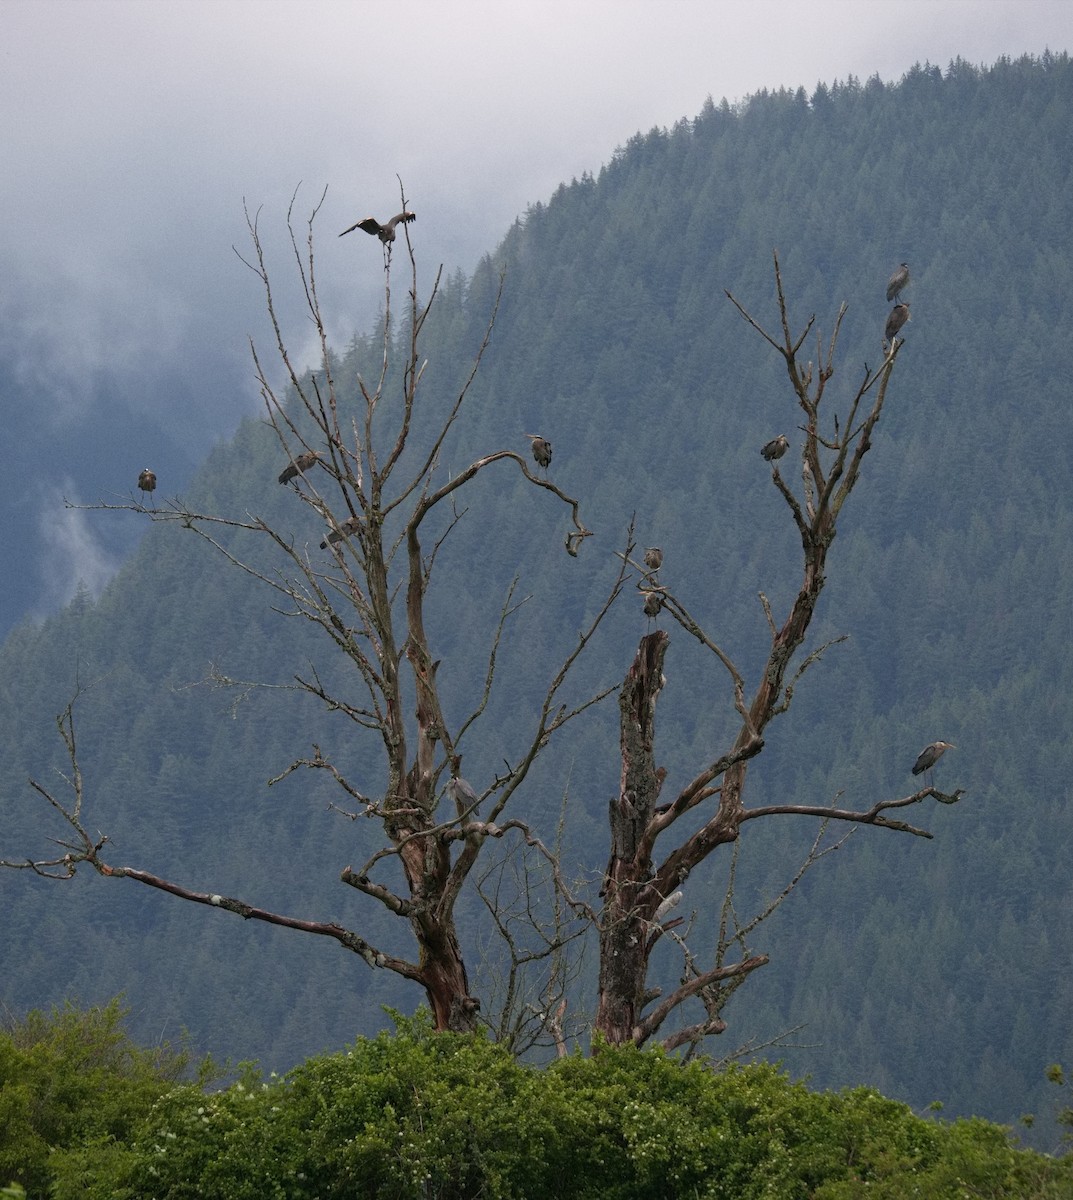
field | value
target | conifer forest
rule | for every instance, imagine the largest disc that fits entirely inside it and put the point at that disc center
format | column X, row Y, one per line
column 240, row 733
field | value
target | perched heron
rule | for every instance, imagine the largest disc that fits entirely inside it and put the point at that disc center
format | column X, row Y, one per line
column 541, row 450
column 146, row 482
column 461, row 793
column 385, row 232
column 299, row 466
column 653, row 558
column 653, row 603
column 930, row 755
column 350, row 526
column 776, row 448
column 899, row 314
column 899, row 280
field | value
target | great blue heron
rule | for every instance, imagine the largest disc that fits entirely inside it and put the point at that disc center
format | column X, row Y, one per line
column 461, row 793
column 899, row 314
column 146, row 482
column 299, row 466
column 776, row 448
column 350, row 526
column 653, row 558
column 541, row 450
column 930, row 755
column 385, row 232
column 653, row 603
column 898, row 281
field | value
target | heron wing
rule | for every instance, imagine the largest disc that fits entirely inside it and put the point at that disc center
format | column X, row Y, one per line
column 926, row 758
column 369, row 224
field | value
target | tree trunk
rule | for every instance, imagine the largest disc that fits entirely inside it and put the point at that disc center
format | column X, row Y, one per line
column 443, row 974
column 630, row 899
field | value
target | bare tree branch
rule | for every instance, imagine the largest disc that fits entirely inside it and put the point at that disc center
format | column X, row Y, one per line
column 638, row 886
column 378, row 492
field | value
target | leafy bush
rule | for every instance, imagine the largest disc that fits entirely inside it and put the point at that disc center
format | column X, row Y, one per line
column 438, row 1115
column 73, row 1079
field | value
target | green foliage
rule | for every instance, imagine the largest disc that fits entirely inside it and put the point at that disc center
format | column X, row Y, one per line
column 422, row 1115
column 1064, row 1119
column 72, row 1078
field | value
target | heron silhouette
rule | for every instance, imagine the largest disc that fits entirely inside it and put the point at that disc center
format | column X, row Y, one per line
column 898, row 316
column 385, row 232
column 299, row 466
column 349, row 527
column 462, row 793
column 541, row 450
column 898, row 281
column 930, row 755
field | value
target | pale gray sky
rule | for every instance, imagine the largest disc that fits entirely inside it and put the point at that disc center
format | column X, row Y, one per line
column 133, row 129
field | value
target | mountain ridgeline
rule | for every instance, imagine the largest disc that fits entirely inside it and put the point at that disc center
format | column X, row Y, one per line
column 930, row 969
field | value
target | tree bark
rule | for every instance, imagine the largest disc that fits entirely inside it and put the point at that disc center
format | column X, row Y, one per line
column 630, row 899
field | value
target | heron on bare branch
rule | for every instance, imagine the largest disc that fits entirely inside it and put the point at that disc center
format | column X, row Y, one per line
column 462, row 793
column 299, row 466
column 385, row 232
column 541, row 450
column 653, row 603
column 146, row 482
column 348, row 528
column 898, row 281
column 930, row 755
column 898, row 316
column 776, row 448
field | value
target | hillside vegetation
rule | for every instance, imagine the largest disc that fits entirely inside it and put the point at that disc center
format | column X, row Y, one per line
column 930, row 970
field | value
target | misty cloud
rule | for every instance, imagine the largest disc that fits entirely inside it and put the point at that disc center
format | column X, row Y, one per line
column 71, row 552
column 61, row 328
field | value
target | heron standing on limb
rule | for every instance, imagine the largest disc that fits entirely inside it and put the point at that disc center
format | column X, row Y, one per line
column 349, row 527
column 541, row 450
column 653, row 603
column 653, row 558
column 462, row 794
column 930, row 755
column 776, row 448
column 898, row 281
column 386, row 232
column 899, row 314
column 299, row 466
column 146, row 483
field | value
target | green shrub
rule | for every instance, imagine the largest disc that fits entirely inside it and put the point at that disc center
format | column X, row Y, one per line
column 72, row 1079
column 420, row 1115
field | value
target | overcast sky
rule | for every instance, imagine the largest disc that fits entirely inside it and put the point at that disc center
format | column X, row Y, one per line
column 134, row 129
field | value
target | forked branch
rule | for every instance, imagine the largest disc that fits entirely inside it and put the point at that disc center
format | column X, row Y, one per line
column 638, row 884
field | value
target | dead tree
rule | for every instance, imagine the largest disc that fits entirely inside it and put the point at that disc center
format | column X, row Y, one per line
column 645, row 876
column 387, row 509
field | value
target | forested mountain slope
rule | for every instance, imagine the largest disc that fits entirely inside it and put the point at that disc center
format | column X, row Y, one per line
column 930, row 969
